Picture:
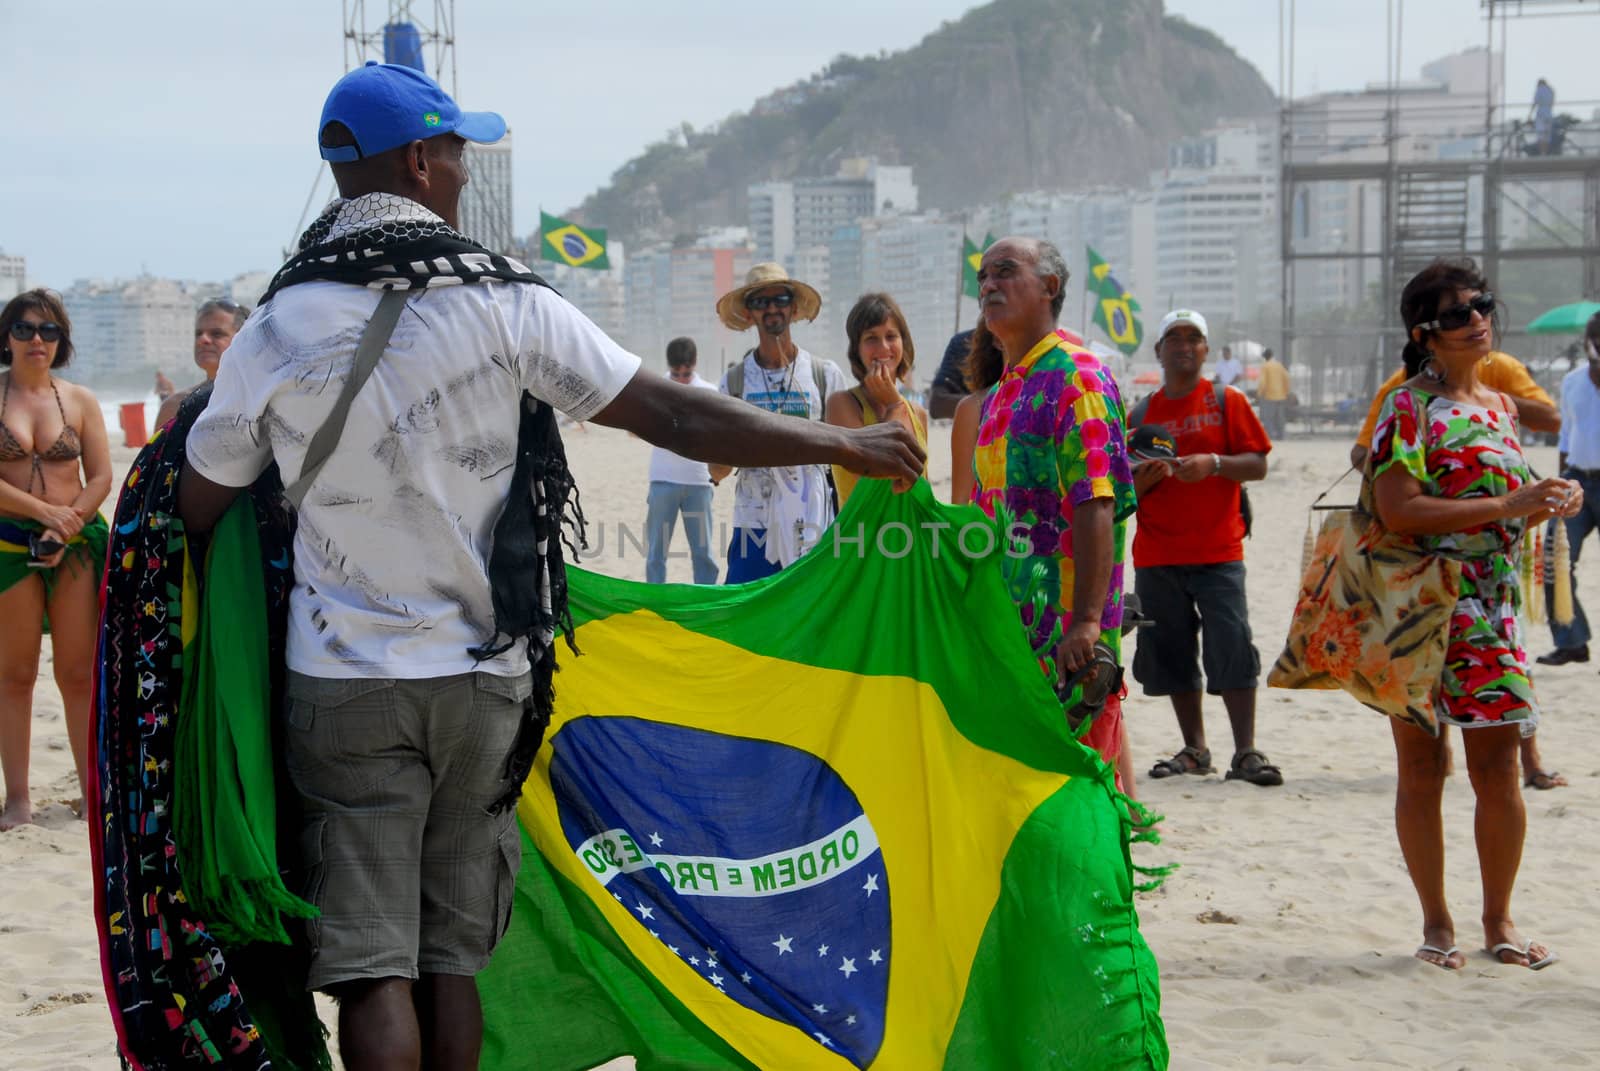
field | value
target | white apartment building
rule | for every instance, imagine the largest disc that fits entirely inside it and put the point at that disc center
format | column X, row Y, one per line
column 804, row 213
column 916, row 260
column 131, row 329
column 13, row 275
column 486, row 200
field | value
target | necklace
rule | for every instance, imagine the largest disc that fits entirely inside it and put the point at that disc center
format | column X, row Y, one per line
column 785, row 381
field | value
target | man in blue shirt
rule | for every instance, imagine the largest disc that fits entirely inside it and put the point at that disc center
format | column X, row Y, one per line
column 1580, row 460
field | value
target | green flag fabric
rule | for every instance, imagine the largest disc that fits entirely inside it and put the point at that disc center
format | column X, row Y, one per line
column 567, row 243
column 782, row 825
column 1114, row 308
column 971, row 257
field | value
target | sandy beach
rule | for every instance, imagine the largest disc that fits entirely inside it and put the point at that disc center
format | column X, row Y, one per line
column 1284, row 940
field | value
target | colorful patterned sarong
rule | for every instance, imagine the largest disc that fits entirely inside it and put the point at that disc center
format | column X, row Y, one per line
column 86, row 549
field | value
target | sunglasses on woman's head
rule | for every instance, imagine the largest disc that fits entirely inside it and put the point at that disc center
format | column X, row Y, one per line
column 23, row 331
column 778, row 301
column 1461, row 315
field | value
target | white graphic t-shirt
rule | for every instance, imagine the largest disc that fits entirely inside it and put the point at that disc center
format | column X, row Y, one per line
column 791, row 391
column 392, row 550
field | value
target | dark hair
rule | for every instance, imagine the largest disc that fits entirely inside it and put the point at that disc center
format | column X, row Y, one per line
column 1420, row 300
column 222, row 304
column 681, row 352
column 870, row 311
column 46, row 303
column 1592, row 329
column 985, row 362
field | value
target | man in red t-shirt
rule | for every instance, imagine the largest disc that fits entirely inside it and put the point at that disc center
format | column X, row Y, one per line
column 1188, row 553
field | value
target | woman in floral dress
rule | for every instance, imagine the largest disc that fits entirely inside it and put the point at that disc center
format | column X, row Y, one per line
column 1448, row 470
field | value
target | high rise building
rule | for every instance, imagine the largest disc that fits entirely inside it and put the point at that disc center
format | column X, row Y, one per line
column 915, row 260
column 803, row 213
column 128, row 330
column 13, row 275
column 486, row 200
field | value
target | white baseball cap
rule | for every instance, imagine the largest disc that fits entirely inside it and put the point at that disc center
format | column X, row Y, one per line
column 1182, row 316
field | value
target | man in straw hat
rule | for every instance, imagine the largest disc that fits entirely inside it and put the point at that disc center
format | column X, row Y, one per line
column 777, row 512
column 414, row 642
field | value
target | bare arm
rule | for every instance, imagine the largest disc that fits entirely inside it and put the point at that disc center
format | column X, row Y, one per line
column 202, row 502
column 96, row 458
column 963, row 444
column 1537, row 416
column 1405, row 509
column 720, row 430
column 841, row 410
column 1091, row 556
column 1241, row 467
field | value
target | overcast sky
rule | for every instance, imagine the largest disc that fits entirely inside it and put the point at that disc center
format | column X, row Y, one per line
column 178, row 136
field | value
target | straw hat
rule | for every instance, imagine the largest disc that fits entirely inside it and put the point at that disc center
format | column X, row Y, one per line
column 730, row 306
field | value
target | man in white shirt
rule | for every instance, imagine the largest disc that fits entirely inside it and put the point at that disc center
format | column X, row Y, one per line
column 428, row 582
column 1579, row 447
column 679, row 485
column 1229, row 368
column 778, row 511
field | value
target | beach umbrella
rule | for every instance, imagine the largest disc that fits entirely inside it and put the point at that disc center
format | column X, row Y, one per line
column 1147, row 379
column 1564, row 319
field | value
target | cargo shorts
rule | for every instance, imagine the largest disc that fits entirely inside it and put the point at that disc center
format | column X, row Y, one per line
column 399, row 851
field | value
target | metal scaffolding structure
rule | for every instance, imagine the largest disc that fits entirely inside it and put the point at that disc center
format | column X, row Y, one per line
column 1448, row 176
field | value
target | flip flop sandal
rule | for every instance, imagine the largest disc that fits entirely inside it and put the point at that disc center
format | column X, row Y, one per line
column 1251, row 765
column 1200, row 757
column 1533, row 964
column 1446, row 953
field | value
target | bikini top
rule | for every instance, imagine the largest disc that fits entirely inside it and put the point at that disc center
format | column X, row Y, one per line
column 67, row 447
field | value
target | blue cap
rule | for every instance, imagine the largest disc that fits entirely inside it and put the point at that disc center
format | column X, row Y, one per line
column 387, row 105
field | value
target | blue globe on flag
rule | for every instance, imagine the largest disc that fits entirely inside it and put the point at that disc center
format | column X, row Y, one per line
column 574, row 246
column 782, row 909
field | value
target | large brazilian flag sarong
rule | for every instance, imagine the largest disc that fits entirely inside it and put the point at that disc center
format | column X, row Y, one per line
column 831, row 819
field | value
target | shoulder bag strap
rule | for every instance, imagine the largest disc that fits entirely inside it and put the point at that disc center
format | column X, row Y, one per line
column 819, row 376
column 373, row 342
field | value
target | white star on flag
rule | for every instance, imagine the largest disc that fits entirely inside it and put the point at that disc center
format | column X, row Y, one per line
column 716, row 980
column 711, row 957
column 645, row 911
column 745, row 978
column 783, row 944
column 822, row 1038
column 871, row 886
column 655, row 840
column 695, row 960
column 875, row 957
column 849, row 1020
column 822, row 950
column 820, row 1009
column 656, row 935
column 618, row 896
column 673, row 949
column 848, row 967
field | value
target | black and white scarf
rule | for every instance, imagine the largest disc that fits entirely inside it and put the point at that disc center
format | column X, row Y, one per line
column 387, row 242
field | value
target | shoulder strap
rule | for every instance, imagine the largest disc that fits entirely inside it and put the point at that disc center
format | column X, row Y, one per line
column 820, row 378
column 1137, row 413
column 374, row 339
column 736, row 379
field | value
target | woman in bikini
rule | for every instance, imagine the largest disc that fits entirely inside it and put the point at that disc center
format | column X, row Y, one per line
column 55, row 470
column 881, row 355
column 1448, row 470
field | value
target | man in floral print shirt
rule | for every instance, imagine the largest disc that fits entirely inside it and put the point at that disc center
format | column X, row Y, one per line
column 1051, row 457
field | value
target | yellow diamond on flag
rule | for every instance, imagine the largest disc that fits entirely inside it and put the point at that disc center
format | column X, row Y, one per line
column 1120, row 324
column 573, row 246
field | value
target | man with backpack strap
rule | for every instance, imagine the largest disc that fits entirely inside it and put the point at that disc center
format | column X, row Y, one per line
column 777, row 512
column 1188, row 552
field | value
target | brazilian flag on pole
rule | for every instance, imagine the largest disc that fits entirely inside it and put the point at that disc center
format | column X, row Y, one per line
column 971, row 258
column 774, row 827
column 1114, row 307
column 567, row 243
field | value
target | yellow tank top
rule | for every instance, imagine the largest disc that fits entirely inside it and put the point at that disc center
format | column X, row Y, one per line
column 845, row 480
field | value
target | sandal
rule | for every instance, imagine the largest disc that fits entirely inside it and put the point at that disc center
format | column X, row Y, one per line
column 1544, row 781
column 1189, row 760
column 1251, row 765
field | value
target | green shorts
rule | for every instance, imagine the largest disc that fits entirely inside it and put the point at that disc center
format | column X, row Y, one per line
column 400, row 853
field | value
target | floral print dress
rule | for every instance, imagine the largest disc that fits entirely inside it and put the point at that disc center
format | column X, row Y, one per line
column 1459, row 450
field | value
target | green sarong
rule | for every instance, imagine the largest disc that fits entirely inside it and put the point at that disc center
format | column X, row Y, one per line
column 86, row 550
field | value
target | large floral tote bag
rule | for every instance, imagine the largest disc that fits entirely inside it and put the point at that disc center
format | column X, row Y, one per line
column 1372, row 618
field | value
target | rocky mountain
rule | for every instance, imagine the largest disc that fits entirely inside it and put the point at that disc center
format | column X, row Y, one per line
column 1015, row 95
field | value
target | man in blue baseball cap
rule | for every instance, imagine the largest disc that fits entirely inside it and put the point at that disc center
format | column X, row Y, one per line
column 428, row 578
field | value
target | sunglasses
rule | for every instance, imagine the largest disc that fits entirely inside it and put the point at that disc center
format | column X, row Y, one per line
column 776, row 301
column 1457, row 316
column 23, row 331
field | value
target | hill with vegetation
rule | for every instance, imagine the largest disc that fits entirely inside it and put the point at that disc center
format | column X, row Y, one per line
column 1015, row 95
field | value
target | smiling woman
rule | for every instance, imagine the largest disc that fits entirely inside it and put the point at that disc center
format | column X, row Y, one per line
column 881, row 355
column 55, row 470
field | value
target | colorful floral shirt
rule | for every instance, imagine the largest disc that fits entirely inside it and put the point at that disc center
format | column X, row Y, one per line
column 1051, row 438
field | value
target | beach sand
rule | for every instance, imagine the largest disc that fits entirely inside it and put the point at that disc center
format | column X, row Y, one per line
column 1284, row 940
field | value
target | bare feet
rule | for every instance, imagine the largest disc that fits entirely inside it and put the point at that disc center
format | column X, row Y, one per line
column 16, row 813
column 1439, row 948
column 1542, row 780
